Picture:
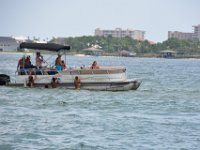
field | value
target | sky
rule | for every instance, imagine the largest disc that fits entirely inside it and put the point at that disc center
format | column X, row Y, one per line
column 71, row 18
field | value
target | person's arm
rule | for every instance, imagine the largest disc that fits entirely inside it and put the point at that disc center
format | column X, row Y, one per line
column 41, row 58
column 18, row 65
column 56, row 61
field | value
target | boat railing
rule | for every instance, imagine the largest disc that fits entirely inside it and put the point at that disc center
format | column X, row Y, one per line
column 86, row 71
column 35, row 71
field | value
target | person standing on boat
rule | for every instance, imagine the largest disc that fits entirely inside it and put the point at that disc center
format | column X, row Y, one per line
column 21, row 63
column 58, row 63
column 39, row 60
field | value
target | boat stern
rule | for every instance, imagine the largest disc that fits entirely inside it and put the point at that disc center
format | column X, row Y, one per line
column 4, row 79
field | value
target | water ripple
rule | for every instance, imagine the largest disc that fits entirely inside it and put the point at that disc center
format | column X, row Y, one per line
column 162, row 114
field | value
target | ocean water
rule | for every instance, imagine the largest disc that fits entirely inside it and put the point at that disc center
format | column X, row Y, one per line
column 164, row 113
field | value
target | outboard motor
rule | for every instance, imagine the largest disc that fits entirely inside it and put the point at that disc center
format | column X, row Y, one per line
column 4, row 79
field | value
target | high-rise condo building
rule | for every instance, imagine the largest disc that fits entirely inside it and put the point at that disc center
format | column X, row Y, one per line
column 184, row 35
column 197, row 31
column 180, row 35
column 119, row 33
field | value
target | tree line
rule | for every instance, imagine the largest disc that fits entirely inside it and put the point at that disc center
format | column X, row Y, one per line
column 112, row 44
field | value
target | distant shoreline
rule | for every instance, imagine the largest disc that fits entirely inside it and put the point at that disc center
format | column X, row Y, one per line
column 114, row 54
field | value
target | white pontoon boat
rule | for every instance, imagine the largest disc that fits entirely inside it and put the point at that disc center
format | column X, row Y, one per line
column 104, row 78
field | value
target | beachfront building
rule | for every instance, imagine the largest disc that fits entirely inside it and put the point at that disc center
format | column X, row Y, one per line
column 120, row 33
column 8, row 44
column 197, row 31
column 180, row 35
column 185, row 35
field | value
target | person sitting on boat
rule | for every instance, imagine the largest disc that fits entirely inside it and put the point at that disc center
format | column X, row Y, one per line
column 58, row 63
column 28, row 63
column 77, row 83
column 31, row 79
column 54, row 83
column 21, row 63
column 64, row 67
column 94, row 65
column 39, row 60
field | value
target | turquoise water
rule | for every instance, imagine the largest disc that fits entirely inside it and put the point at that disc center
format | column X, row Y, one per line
column 164, row 113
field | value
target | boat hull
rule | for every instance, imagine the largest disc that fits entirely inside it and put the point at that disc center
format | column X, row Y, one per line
column 100, row 86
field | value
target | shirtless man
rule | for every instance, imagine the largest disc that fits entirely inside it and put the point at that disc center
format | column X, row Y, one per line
column 54, row 83
column 77, row 83
column 31, row 79
column 21, row 63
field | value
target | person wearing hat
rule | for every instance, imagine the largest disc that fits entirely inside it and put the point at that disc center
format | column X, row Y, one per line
column 28, row 62
column 58, row 63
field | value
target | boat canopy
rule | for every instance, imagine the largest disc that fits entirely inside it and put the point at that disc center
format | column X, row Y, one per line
column 44, row 46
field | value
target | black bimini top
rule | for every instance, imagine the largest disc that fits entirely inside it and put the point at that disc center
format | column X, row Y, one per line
column 44, row 46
